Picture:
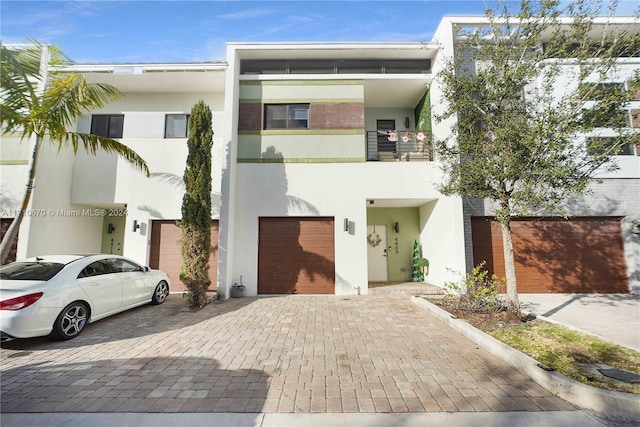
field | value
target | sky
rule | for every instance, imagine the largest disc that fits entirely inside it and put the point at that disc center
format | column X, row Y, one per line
column 114, row 31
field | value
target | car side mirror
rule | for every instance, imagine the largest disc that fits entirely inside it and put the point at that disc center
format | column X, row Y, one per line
column 146, row 269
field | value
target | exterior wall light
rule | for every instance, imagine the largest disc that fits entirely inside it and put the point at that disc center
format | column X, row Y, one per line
column 396, row 227
column 136, row 226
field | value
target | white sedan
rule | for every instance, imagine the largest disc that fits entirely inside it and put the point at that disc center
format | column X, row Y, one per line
column 57, row 295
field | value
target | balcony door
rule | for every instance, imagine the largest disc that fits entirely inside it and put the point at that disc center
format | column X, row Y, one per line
column 384, row 127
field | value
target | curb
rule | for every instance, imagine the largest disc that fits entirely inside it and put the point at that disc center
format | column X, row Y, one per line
column 609, row 403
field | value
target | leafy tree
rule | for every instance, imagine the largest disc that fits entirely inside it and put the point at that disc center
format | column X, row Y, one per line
column 196, row 206
column 41, row 98
column 520, row 122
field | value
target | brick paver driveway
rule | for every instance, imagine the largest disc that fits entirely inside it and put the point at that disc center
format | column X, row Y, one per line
column 277, row 354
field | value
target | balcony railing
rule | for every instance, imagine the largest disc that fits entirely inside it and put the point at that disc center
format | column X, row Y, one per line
column 399, row 146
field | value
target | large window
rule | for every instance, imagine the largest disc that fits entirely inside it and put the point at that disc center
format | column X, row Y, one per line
column 108, row 125
column 612, row 145
column 335, row 66
column 286, row 116
column 598, row 117
column 176, row 126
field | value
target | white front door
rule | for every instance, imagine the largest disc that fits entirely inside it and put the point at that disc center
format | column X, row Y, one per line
column 377, row 253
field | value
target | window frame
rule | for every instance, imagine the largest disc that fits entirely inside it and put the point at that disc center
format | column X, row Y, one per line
column 88, row 273
column 112, row 130
column 166, row 125
column 625, row 150
column 288, row 120
column 118, row 265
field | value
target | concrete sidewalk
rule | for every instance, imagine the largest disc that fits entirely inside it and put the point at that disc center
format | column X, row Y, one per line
column 613, row 317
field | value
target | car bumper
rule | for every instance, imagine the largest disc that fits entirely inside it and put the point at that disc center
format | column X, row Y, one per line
column 27, row 323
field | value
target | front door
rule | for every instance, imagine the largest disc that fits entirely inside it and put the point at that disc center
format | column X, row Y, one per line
column 377, row 253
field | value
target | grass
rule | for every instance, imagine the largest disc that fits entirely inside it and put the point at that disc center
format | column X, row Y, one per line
column 565, row 350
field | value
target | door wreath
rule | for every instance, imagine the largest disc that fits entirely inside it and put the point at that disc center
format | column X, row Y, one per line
column 374, row 239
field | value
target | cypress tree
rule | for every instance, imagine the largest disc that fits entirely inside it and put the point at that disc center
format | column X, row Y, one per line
column 196, row 206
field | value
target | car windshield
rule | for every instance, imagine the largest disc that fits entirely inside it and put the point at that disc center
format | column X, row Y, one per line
column 30, row 270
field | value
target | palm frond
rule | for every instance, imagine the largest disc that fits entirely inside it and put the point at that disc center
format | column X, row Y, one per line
column 70, row 96
column 94, row 143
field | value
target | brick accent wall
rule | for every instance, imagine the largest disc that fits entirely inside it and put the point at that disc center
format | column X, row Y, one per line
column 250, row 116
column 342, row 115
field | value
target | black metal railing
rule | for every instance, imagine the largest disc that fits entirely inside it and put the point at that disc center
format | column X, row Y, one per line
column 399, row 146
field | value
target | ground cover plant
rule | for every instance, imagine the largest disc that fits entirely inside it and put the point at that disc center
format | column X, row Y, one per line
column 476, row 300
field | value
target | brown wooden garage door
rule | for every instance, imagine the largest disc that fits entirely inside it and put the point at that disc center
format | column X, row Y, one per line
column 579, row 255
column 296, row 256
column 165, row 255
column 4, row 227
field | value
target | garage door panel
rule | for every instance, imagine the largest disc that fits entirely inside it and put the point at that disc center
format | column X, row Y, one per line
column 4, row 227
column 165, row 255
column 296, row 255
column 574, row 256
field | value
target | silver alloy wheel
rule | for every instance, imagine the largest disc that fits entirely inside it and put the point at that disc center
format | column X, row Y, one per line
column 161, row 292
column 73, row 320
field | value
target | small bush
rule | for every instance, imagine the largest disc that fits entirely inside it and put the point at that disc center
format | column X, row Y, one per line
column 477, row 291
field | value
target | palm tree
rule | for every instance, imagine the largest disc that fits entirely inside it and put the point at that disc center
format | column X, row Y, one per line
column 41, row 98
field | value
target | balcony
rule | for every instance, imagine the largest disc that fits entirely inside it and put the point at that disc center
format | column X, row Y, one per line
column 399, row 146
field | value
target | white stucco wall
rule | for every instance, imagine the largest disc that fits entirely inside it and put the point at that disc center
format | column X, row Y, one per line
column 69, row 187
column 57, row 225
column 340, row 191
column 14, row 171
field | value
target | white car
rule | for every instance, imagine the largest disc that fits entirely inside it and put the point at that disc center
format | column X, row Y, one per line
column 57, row 295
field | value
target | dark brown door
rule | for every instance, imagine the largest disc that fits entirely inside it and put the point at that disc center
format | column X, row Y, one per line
column 166, row 239
column 4, row 227
column 579, row 255
column 296, row 256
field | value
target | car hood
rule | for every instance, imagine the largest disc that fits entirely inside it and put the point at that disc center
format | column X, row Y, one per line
column 16, row 288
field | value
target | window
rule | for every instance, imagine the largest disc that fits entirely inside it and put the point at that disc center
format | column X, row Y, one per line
column 96, row 268
column 601, row 114
column 108, row 125
column 286, row 116
column 598, row 91
column 602, row 145
column 176, row 126
column 599, row 119
column 30, row 270
column 123, row 266
column 334, row 66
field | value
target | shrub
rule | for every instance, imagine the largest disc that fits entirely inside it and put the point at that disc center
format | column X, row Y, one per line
column 477, row 291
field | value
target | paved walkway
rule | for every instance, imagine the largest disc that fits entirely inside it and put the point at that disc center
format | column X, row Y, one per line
column 369, row 354
column 612, row 317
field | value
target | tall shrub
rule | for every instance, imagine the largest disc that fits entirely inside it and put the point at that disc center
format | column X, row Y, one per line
column 196, row 207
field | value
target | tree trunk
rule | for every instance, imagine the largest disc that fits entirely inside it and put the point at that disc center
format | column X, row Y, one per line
column 513, row 304
column 12, row 232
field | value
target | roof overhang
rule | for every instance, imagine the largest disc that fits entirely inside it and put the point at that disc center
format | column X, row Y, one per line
column 188, row 77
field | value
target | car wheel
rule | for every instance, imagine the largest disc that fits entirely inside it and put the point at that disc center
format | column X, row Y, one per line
column 71, row 321
column 160, row 293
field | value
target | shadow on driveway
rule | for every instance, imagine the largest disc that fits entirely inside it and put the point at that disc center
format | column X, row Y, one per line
column 149, row 384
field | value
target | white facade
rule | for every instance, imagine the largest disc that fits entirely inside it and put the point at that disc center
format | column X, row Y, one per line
column 258, row 173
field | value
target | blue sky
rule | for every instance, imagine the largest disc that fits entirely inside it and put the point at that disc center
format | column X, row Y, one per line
column 188, row 31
